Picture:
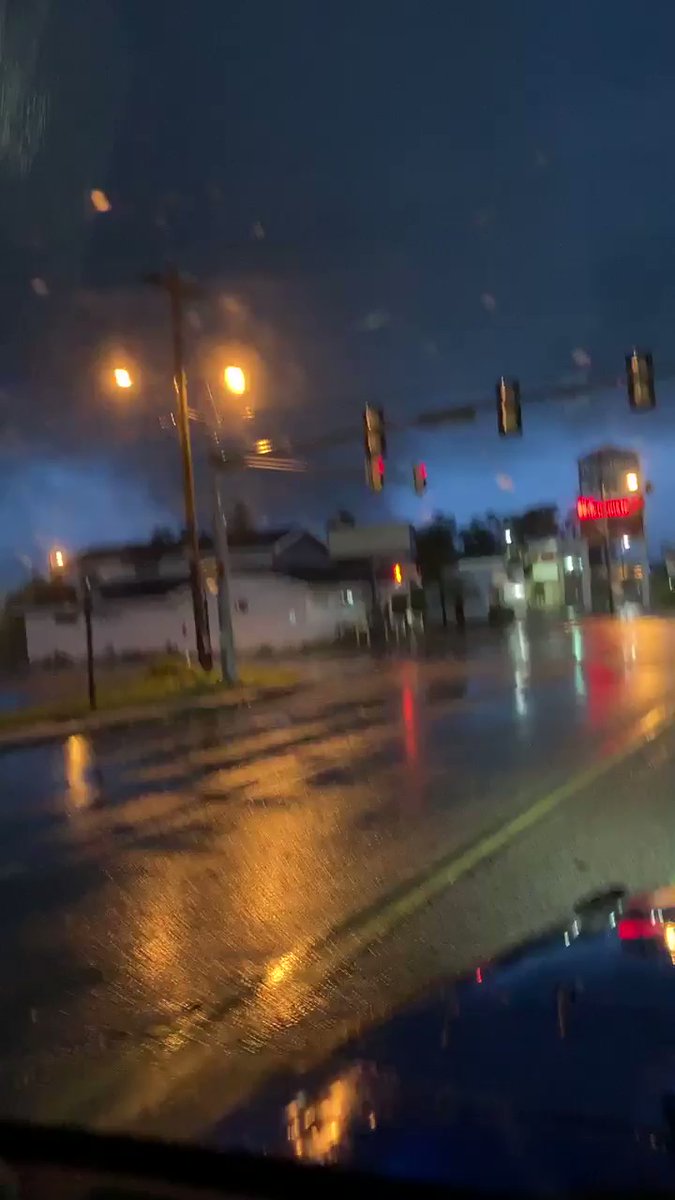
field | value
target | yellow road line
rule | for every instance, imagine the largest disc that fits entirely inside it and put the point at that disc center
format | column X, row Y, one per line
column 134, row 1090
column 397, row 909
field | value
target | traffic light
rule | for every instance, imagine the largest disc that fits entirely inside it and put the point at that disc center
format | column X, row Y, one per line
column 420, row 478
column 640, row 381
column 509, row 419
column 375, row 473
column 375, row 445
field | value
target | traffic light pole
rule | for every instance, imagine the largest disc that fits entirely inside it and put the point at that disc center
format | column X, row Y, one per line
column 228, row 660
column 608, row 554
column 87, row 606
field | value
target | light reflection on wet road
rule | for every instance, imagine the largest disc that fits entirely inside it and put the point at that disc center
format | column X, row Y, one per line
column 168, row 888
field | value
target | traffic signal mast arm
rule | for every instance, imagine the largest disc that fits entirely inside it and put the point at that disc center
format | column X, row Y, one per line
column 641, row 397
column 466, row 413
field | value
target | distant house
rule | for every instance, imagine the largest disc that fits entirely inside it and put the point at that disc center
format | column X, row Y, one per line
column 277, row 550
column 260, row 550
column 285, row 592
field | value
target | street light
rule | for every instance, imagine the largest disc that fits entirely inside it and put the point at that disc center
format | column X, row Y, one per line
column 122, row 377
column 235, row 380
column 58, row 561
column 632, row 481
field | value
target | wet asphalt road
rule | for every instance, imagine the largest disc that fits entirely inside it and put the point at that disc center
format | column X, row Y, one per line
column 182, row 908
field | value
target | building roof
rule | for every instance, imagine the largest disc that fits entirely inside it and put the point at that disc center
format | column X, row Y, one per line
column 342, row 570
column 129, row 588
column 45, row 595
column 152, row 551
column 262, row 537
column 607, row 452
column 129, row 551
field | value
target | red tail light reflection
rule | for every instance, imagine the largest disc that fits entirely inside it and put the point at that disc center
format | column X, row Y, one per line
column 640, row 929
column 636, row 929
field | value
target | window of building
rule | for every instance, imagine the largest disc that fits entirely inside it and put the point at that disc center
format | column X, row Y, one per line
column 241, row 605
column 347, row 597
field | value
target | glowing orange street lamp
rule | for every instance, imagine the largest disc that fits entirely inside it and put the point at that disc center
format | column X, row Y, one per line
column 122, row 377
column 57, row 560
column 235, row 380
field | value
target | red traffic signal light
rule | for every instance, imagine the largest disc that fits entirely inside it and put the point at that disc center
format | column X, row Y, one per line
column 509, row 418
column 640, row 381
column 375, row 473
column 420, row 478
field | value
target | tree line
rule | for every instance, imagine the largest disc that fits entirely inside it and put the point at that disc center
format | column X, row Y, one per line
column 441, row 543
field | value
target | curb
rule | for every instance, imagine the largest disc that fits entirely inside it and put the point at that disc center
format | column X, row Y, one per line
column 127, row 718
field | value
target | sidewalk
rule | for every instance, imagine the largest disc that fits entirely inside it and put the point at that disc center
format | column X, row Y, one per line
column 140, row 714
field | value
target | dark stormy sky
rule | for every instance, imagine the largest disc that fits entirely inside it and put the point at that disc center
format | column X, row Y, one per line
column 387, row 200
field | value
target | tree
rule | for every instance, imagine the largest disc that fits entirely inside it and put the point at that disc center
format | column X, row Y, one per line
column 39, row 590
column 496, row 525
column 539, row 522
column 13, row 647
column 436, row 550
column 479, row 540
column 163, row 536
column 342, row 519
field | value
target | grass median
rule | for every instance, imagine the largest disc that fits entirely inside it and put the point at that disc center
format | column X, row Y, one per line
column 156, row 683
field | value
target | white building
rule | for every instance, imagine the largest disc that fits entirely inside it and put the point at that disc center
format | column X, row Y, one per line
column 485, row 583
column 558, row 574
column 142, row 602
column 482, row 583
column 548, row 574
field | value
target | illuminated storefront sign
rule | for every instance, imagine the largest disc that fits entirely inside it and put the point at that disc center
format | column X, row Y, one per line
column 590, row 509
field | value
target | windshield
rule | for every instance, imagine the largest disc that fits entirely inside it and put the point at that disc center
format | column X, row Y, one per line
column 335, row 550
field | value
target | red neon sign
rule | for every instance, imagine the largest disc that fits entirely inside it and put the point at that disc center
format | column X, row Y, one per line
column 589, row 509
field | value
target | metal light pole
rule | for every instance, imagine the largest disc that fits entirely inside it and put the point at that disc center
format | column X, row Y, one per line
column 607, row 547
column 177, row 288
column 228, row 660
column 58, row 566
column 87, row 608
column 235, row 380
